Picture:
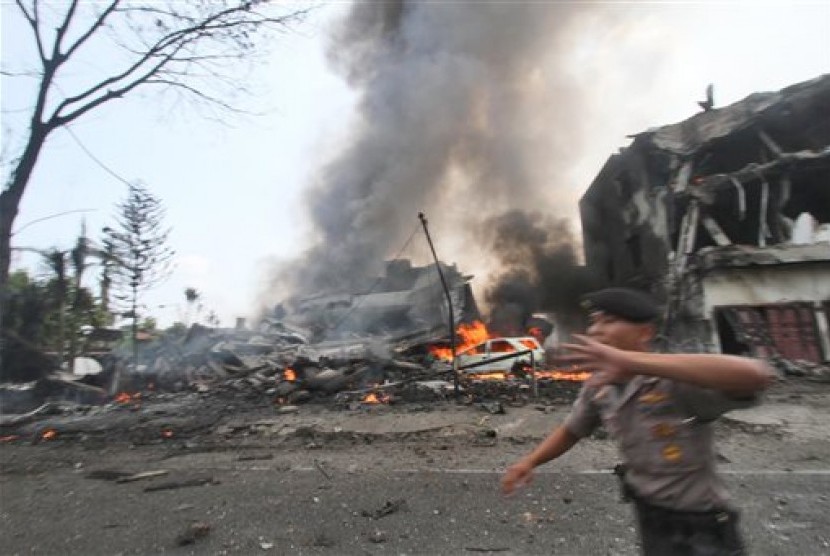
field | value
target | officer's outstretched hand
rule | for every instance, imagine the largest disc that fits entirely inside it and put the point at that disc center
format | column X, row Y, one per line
column 517, row 475
column 607, row 364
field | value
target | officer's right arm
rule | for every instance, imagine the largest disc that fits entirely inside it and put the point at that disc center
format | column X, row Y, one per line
column 582, row 420
column 521, row 473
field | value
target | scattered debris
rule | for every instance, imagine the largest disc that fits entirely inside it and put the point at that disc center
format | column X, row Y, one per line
column 496, row 408
column 171, row 485
column 322, row 470
column 107, row 474
column 252, row 457
column 389, row 507
column 377, row 536
column 192, row 533
column 142, row 476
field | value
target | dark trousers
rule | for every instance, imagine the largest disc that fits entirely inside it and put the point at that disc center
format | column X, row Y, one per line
column 665, row 532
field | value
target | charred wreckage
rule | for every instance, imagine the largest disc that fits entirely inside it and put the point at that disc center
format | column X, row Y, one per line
column 725, row 216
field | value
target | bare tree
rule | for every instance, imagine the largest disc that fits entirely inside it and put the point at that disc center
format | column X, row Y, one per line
column 138, row 244
column 189, row 47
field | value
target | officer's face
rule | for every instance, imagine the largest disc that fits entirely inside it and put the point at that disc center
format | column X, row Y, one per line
column 619, row 333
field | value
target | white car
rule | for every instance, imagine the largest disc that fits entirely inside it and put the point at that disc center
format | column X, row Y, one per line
column 481, row 355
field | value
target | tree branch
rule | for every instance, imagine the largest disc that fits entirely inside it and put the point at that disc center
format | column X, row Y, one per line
column 196, row 92
column 60, row 32
column 58, row 120
column 32, row 19
column 177, row 39
column 97, row 24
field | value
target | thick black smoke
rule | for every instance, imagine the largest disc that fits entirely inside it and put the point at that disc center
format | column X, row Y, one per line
column 541, row 270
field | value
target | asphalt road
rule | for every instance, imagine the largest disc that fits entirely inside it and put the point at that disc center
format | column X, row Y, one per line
column 244, row 478
column 312, row 505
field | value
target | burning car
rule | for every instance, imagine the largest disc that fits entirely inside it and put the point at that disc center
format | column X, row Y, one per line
column 501, row 355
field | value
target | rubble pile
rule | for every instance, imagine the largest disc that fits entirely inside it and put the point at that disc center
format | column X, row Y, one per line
column 279, row 368
column 800, row 368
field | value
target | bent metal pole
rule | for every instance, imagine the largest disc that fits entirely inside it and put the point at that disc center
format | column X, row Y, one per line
column 449, row 304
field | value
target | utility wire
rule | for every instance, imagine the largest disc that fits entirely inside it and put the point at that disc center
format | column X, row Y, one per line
column 84, row 148
column 64, row 213
column 376, row 283
column 94, row 158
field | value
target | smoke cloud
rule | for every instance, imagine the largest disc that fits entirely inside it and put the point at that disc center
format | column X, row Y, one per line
column 542, row 271
column 468, row 112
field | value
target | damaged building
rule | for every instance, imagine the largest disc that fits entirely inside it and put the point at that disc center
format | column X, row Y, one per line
column 726, row 217
column 405, row 303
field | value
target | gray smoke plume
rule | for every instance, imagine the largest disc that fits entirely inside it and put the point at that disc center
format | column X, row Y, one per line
column 467, row 113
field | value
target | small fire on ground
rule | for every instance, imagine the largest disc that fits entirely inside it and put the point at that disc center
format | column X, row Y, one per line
column 573, row 376
column 376, row 398
column 125, row 397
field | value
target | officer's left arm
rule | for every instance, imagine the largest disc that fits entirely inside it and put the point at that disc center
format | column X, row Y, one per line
column 708, row 404
column 736, row 376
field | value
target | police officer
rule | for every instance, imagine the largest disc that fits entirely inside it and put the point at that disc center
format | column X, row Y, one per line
column 659, row 407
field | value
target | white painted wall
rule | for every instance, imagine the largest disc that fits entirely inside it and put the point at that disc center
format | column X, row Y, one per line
column 769, row 284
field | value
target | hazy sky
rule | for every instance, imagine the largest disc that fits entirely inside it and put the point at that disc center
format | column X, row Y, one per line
column 233, row 191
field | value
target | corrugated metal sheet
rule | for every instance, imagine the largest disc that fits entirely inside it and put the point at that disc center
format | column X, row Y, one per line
column 788, row 330
column 794, row 331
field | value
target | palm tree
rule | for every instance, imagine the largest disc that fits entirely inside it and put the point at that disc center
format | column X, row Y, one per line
column 192, row 296
column 56, row 262
column 78, row 255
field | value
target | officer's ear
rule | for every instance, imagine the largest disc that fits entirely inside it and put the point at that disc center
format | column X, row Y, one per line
column 648, row 331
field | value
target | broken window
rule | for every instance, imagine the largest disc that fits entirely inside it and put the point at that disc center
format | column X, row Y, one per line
column 501, row 346
column 788, row 330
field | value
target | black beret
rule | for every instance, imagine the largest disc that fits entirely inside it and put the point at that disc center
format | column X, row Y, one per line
column 625, row 303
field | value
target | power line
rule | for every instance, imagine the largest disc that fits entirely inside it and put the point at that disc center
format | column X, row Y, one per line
column 84, row 148
column 64, row 213
column 94, row 158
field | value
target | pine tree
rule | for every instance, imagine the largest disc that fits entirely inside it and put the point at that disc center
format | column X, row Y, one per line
column 141, row 258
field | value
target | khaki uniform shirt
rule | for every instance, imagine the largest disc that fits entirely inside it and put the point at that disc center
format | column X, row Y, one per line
column 664, row 432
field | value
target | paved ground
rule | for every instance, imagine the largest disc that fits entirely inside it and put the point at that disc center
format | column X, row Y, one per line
column 399, row 480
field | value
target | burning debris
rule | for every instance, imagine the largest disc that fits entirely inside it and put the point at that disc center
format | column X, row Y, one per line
column 275, row 365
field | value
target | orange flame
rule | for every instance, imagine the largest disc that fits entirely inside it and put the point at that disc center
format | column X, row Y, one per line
column 167, row 433
column 467, row 335
column 573, row 376
column 49, row 434
column 489, row 376
column 376, row 398
column 289, row 374
column 9, row 438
